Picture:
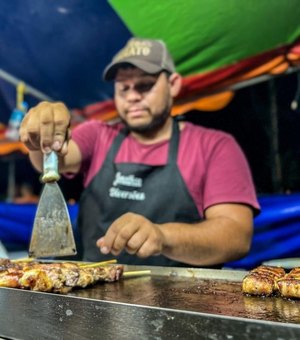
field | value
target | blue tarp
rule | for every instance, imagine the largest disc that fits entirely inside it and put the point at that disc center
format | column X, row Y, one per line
column 276, row 231
column 16, row 221
column 60, row 48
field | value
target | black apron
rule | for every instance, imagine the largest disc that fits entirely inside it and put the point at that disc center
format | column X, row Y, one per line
column 156, row 192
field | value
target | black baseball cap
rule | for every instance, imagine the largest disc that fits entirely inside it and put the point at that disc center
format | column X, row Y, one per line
column 151, row 56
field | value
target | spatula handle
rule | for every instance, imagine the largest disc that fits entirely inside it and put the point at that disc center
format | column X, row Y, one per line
column 50, row 165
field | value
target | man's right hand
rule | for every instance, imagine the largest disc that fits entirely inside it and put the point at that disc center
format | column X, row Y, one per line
column 46, row 127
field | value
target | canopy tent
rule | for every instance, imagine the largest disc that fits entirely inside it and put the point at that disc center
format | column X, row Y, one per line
column 60, row 48
column 215, row 45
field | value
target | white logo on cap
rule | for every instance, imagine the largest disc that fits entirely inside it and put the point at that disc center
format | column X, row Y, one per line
column 135, row 48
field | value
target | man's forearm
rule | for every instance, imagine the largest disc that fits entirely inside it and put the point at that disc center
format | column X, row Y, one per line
column 209, row 242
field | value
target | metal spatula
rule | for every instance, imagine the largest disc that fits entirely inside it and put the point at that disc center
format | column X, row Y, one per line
column 52, row 233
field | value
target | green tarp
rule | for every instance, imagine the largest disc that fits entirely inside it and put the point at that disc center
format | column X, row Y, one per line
column 204, row 35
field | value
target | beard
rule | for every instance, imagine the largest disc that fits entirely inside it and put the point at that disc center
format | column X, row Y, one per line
column 156, row 123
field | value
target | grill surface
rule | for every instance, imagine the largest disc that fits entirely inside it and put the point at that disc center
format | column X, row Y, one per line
column 185, row 303
column 206, row 295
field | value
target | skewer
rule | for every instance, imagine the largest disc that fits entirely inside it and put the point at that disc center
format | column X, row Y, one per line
column 24, row 259
column 137, row 273
column 82, row 265
column 98, row 264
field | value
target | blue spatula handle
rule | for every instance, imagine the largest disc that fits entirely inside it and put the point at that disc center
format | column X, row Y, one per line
column 50, row 171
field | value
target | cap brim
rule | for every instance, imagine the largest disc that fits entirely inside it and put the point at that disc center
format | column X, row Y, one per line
column 110, row 71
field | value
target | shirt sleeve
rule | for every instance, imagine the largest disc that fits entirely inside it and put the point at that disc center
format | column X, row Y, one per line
column 94, row 139
column 85, row 136
column 228, row 176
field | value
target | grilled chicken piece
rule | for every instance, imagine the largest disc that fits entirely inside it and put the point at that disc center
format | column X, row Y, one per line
column 289, row 285
column 37, row 279
column 4, row 264
column 54, row 277
column 86, row 277
column 10, row 277
column 109, row 273
column 8, row 264
column 261, row 280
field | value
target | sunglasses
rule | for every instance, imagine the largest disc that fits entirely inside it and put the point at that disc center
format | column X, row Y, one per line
column 142, row 86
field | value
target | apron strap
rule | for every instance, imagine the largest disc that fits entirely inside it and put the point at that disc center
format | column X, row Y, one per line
column 174, row 142
column 116, row 145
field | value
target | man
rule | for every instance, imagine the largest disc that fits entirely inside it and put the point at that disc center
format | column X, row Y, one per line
column 157, row 192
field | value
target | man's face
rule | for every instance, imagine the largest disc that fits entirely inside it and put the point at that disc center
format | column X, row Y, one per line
column 143, row 100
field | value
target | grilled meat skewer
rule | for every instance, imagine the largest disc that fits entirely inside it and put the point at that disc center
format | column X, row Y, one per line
column 55, row 277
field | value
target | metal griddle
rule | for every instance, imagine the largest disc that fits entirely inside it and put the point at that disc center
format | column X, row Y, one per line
column 172, row 303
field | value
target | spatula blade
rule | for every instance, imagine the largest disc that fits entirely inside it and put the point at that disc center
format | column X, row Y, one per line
column 52, row 233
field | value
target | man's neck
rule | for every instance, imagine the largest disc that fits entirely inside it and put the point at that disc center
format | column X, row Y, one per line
column 162, row 133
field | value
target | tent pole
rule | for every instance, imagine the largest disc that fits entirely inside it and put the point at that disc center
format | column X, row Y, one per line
column 11, row 188
column 274, row 138
column 28, row 89
column 260, row 79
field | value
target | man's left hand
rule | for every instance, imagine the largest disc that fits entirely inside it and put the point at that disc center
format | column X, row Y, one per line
column 134, row 233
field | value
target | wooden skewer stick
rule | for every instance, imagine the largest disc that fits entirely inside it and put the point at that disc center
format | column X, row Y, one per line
column 137, row 273
column 24, row 259
column 98, row 264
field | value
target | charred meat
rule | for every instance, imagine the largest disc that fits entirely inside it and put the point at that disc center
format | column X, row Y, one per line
column 55, row 277
column 289, row 285
column 262, row 280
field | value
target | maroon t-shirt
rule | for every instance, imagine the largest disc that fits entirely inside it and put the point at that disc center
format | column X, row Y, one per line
column 211, row 162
